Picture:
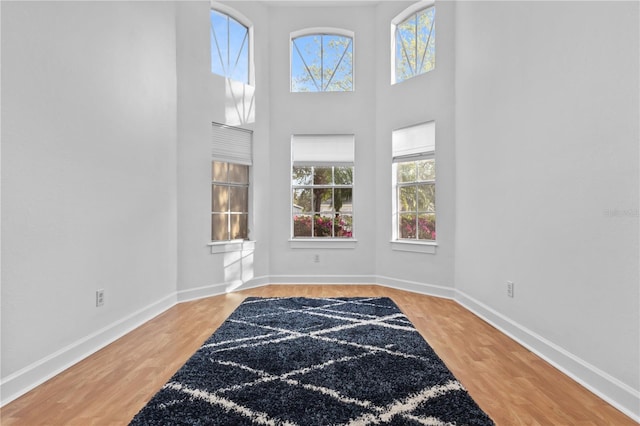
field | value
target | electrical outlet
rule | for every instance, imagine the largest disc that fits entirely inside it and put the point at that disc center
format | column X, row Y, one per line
column 99, row 297
column 316, row 258
column 510, row 286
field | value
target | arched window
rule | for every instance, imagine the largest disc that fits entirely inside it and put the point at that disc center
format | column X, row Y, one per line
column 322, row 61
column 413, row 42
column 230, row 46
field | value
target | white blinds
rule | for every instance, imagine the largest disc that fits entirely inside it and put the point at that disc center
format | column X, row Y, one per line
column 322, row 149
column 418, row 140
column 231, row 144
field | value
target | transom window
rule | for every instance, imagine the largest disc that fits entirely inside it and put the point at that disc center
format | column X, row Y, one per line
column 322, row 186
column 414, row 45
column 322, row 62
column 414, row 171
column 229, row 47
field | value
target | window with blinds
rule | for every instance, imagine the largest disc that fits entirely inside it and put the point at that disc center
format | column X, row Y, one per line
column 322, row 186
column 231, row 158
column 414, row 182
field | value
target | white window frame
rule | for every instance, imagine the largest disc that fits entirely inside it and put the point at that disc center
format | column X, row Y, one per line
column 342, row 154
column 232, row 144
column 406, row 154
column 243, row 20
column 330, row 31
column 397, row 20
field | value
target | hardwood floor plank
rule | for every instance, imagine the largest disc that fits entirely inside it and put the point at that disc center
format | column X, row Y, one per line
column 514, row 386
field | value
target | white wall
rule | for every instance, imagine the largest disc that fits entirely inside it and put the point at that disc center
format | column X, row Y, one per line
column 203, row 98
column 417, row 100
column 88, row 177
column 329, row 112
column 546, row 151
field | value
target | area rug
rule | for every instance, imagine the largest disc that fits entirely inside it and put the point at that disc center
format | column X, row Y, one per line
column 302, row 361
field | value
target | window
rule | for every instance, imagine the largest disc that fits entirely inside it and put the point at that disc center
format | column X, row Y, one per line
column 322, row 62
column 414, row 44
column 229, row 47
column 322, row 186
column 230, row 201
column 414, row 174
column 230, row 171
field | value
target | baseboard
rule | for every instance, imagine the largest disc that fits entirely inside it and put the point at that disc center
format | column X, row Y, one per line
column 616, row 393
column 416, row 287
column 27, row 378
column 322, row 279
column 220, row 288
column 613, row 391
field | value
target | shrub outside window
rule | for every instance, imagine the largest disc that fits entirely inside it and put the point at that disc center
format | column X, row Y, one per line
column 322, row 62
column 416, row 192
column 414, row 49
column 230, row 201
column 229, row 47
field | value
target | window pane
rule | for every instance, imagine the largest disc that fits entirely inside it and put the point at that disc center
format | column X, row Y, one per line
column 426, row 40
column 321, row 63
column 238, row 173
column 219, row 224
column 407, row 172
column 343, row 175
column 343, row 224
column 301, row 225
column 218, row 171
column 239, row 229
column 426, row 197
column 323, row 226
column 306, row 65
column 322, row 201
column 229, row 47
column 239, row 200
column 426, row 169
column 219, row 43
column 343, row 199
column 302, row 175
column 427, row 227
column 337, row 75
column 322, row 176
column 238, row 67
column 220, row 198
column 302, row 200
column 407, row 198
column 415, row 45
column 407, row 226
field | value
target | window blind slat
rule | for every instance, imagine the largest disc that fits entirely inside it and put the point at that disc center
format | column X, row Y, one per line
column 417, row 140
column 231, row 144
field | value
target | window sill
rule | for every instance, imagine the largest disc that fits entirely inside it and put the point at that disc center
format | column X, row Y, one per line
column 414, row 247
column 333, row 243
column 231, row 246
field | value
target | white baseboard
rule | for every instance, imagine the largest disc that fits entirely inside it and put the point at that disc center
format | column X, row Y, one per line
column 416, row 287
column 27, row 378
column 322, row 279
column 221, row 288
column 618, row 394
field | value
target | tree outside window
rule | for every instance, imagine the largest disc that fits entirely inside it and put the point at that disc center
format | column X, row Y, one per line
column 322, row 63
column 415, row 45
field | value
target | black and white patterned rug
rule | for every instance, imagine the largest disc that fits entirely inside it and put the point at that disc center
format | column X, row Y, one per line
column 301, row 361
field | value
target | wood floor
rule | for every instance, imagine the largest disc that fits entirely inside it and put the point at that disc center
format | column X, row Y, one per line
column 511, row 384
